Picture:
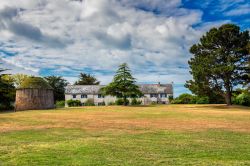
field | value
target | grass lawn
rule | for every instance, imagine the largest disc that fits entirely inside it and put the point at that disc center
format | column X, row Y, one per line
column 153, row 135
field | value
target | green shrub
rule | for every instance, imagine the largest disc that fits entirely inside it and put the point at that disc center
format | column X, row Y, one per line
column 119, row 102
column 243, row 99
column 176, row 101
column 74, row 103
column 194, row 100
column 187, row 98
column 89, row 102
column 60, row 104
column 122, row 102
column 190, row 99
column 111, row 103
column 184, row 99
column 202, row 100
column 101, row 104
column 135, row 102
column 153, row 103
column 170, row 98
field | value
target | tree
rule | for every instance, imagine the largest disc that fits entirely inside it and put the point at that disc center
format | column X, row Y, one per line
column 185, row 98
column 17, row 79
column 203, row 88
column 7, row 92
column 123, row 85
column 58, row 84
column 87, row 79
column 219, row 62
column 247, row 75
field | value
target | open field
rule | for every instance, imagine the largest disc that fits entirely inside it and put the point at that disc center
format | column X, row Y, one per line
column 153, row 135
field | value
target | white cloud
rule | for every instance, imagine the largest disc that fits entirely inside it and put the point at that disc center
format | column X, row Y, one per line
column 240, row 10
column 15, row 68
column 97, row 35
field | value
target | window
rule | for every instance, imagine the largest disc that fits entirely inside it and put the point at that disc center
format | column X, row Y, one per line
column 163, row 95
column 153, row 95
column 74, row 96
column 100, row 96
column 84, row 96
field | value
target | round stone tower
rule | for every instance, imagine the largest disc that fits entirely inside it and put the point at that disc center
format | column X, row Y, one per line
column 34, row 94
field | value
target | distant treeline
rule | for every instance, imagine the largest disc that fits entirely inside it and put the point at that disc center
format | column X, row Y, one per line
column 9, row 83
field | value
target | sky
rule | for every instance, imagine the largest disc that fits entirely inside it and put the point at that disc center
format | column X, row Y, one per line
column 66, row 37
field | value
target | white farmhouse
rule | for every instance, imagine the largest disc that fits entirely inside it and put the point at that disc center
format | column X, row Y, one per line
column 152, row 93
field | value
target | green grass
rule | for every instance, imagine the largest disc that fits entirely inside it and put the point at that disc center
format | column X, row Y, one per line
column 159, row 135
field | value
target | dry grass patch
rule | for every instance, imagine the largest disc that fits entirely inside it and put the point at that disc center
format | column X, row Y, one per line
column 154, row 135
column 172, row 117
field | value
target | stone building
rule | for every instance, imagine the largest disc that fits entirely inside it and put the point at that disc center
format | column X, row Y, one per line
column 157, row 93
column 34, row 94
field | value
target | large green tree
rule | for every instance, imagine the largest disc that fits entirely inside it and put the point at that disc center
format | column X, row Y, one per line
column 219, row 62
column 123, row 85
column 247, row 82
column 58, row 84
column 87, row 79
column 7, row 92
column 17, row 79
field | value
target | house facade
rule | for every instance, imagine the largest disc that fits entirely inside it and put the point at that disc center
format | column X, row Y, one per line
column 152, row 93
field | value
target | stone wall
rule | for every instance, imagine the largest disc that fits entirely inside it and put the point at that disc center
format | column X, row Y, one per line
column 34, row 99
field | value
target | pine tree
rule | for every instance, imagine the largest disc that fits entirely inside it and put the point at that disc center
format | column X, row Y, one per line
column 123, row 85
column 219, row 61
column 87, row 79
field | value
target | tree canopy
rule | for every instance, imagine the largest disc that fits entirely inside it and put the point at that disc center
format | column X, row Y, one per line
column 219, row 62
column 17, row 79
column 86, row 79
column 58, row 84
column 123, row 85
column 7, row 92
column 36, row 83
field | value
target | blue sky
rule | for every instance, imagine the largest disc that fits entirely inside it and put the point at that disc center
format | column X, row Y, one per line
column 66, row 37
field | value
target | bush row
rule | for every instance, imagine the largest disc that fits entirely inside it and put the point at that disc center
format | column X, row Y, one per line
column 190, row 99
column 75, row 103
column 242, row 99
column 90, row 102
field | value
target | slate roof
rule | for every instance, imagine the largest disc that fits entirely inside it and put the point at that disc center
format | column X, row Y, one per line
column 95, row 89
column 83, row 89
column 156, row 88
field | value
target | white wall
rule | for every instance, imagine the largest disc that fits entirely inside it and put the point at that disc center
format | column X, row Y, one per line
column 108, row 99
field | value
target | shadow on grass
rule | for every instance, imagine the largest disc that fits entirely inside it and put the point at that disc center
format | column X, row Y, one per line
column 225, row 107
column 6, row 111
column 142, row 106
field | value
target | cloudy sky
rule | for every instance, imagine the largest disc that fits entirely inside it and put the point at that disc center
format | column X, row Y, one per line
column 66, row 37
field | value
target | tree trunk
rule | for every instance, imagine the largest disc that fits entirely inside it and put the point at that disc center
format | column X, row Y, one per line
column 125, row 101
column 228, row 96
